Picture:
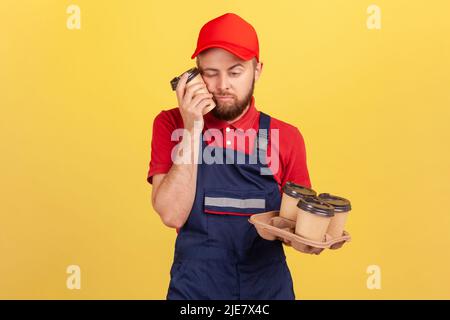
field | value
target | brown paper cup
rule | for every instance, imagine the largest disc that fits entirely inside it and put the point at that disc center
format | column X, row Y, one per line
column 288, row 207
column 342, row 208
column 337, row 224
column 311, row 226
column 291, row 194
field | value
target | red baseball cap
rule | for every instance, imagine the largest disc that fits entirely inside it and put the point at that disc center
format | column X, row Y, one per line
column 229, row 32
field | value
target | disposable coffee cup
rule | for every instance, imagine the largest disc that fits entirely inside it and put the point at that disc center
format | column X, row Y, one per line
column 291, row 194
column 313, row 218
column 194, row 76
column 342, row 207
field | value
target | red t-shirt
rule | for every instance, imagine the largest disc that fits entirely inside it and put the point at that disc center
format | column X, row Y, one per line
column 291, row 147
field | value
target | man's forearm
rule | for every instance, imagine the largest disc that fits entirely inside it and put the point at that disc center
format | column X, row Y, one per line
column 175, row 196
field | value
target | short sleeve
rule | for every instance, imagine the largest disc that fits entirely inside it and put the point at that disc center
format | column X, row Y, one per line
column 161, row 145
column 296, row 169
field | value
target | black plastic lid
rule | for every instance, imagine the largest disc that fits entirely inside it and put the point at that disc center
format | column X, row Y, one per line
column 316, row 206
column 298, row 191
column 339, row 204
column 192, row 74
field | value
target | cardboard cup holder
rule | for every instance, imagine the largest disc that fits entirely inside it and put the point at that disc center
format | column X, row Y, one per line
column 271, row 226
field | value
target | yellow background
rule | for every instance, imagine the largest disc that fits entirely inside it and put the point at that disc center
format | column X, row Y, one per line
column 77, row 108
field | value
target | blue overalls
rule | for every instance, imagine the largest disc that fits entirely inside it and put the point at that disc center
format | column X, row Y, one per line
column 218, row 253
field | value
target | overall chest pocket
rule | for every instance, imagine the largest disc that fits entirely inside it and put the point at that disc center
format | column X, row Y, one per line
column 234, row 202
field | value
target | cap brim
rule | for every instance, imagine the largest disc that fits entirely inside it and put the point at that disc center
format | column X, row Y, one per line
column 242, row 53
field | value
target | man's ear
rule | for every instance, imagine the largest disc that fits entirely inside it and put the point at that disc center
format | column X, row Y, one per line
column 258, row 70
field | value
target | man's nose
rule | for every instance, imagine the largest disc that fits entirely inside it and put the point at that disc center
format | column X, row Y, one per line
column 223, row 83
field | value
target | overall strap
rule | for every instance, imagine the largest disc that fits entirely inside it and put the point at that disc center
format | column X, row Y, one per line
column 263, row 132
column 263, row 139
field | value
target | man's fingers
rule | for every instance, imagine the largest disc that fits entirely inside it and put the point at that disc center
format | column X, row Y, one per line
column 203, row 105
column 181, row 86
column 198, row 98
column 192, row 89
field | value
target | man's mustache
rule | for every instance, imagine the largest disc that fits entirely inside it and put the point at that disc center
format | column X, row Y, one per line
column 223, row 96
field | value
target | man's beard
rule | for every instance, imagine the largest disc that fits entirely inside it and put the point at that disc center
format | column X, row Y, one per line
column 229, row 112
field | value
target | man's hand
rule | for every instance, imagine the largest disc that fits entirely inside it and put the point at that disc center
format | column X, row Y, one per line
column 191, row 103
